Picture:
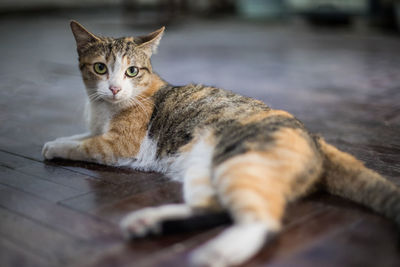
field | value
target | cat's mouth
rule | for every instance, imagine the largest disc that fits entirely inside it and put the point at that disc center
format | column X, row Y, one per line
column 114, row 99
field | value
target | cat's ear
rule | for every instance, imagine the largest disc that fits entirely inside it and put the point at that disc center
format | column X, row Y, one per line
column 149, row 43
column 82, row 36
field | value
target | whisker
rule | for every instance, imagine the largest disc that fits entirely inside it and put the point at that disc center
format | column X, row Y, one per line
column 146, row 100
column 140, row 105
column 96, row 96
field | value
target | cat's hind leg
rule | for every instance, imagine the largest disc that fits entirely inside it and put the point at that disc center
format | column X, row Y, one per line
column 255, row 188
column 199, row 199
column 198, row 192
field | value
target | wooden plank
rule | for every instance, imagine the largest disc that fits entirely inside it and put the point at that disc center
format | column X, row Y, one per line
column 169, row 192
column 39, row 187
column 110, row 174
column 65, row 220
column 114, row 175
column 50, row 171
column 151, row 251
column 70, row 229
column 112, row 194
column 11, row 161
column 57, row 248
column 80, row 182
column 367, row 242
column 12, row 254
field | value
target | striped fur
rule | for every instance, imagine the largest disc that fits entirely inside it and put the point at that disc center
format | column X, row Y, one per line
column 231, row 152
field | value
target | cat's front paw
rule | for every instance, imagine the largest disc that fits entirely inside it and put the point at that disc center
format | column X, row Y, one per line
column 57, row 149
column 47, row 150
column 141, row 223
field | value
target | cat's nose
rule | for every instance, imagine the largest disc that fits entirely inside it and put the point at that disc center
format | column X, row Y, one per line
column 115, row 89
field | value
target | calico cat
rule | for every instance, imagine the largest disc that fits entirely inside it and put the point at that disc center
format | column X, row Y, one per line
column 231, row 152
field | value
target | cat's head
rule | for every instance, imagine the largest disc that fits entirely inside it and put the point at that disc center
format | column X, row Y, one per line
column 116, row 70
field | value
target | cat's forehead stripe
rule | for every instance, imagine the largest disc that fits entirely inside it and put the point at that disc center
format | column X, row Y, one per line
column 108, row 47
column 128, row 48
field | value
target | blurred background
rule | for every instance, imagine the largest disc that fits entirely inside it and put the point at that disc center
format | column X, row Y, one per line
column 319, row 59
column 384, row 14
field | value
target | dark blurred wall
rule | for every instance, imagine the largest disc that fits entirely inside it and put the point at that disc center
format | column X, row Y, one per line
column 16, row 5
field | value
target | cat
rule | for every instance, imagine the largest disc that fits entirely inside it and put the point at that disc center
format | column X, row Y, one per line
column 232, row 153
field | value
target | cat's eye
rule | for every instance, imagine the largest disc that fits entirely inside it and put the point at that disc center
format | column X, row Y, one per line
column 100, row 68
column 132, row 71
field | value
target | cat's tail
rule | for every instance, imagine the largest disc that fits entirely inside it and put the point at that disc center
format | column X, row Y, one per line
column 347, row 177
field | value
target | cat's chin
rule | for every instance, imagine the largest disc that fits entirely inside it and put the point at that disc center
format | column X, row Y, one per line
column 113, row 100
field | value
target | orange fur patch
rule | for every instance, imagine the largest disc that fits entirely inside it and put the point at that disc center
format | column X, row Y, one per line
column 202, row 193
column 265, row 114
column 261, row 182
column 200, row 181
column 199, row 94
column 155, row 85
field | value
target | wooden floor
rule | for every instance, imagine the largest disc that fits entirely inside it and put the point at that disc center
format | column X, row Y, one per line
column 344, row 84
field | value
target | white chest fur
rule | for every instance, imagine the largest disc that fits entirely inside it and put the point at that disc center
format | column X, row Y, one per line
column 100, row 115
column 146, row 159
